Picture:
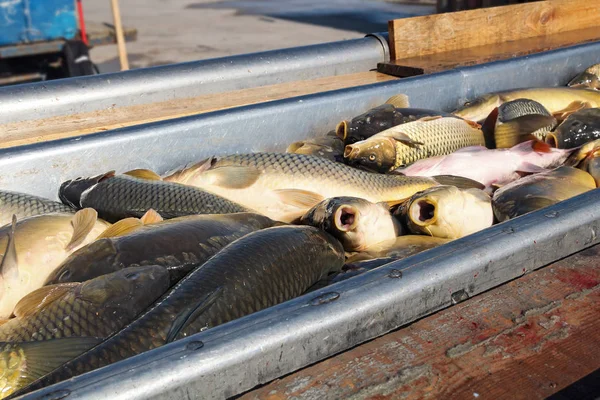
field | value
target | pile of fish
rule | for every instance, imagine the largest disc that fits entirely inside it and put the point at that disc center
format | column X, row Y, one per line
column 129, row 262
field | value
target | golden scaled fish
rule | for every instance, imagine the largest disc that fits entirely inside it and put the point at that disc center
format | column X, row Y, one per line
column 447, row 212
column 539, row 191
column 590, row 78
column 284, row 186
column 559, row 101
column 404, row 144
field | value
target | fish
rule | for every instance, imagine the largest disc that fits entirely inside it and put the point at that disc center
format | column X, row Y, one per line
column 590, row 78
column 398, row 249
column 579, row 128
column 116, row 197
column 284, row 186
column 587, row 159
column 177, row 245
column 57, row 323
column 559, row 101
column 257, row 271
column 404, row 144
column 394, row 112
column 357, row 223
column 447, row 212
column 26, row 205
column 330, row 147
column 491, row 167
column 517, row 121
column 32, row 248
column 539, row 191
column 350, row 270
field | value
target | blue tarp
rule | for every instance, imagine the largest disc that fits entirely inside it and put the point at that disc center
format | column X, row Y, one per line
column 24, row 21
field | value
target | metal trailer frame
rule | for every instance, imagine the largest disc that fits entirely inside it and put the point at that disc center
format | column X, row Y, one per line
column 190, row 79
column 237, row 356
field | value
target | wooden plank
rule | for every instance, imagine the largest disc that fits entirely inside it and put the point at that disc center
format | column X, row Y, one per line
column 443, row 61
column 419, row 36
column 26, row 132
column 527, row 339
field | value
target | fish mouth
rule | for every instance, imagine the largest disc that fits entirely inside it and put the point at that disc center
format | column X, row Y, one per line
column 423, row 212
column 346, row 218
column 552, row 140
column 341, row 130
column 351, row 151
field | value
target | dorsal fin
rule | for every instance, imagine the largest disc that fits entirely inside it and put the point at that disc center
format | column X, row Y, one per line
column 151, row 217
column 144, row 174
column 399, row 101
column 121, row 228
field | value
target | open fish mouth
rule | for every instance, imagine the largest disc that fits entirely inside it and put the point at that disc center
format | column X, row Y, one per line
column 346, row 218
column 423, row 212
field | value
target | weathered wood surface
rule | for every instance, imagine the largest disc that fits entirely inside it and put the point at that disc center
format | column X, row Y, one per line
column 527, row 339
column 26, row 132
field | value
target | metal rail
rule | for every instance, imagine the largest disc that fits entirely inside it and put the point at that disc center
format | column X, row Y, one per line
column 190, row 79
column 232, row 358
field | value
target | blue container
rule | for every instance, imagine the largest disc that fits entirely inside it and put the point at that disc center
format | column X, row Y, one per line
column 25, row 21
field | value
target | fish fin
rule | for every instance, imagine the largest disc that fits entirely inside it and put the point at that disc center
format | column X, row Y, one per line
column 41, row 298
column 10, row 263
column 341, row 130
column 144, row 174
column 430, row 118
column 83, row 222
column 42, row 357
column 399, row 101
column 488, row 128
column 298, row 197
column 529, row 168
column 184, row 174
column 292, row 217
column 402, row 138
column 292, row 148
column 520, row 129
column 473, row 124
column 459, row 181
column 190, row 313
column 541, row 147
column 570, row 109
column 232, row 177
column 122, row 227
column 151, row 217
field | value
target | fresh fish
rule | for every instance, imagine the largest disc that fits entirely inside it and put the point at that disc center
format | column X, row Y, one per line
column 591, row 159
column 330, row 147
column 57, row 323
column 177, row 245
column 407, row 143
column 447, row 212
column 579, row 128
column 122, row 196
column 559, row 101
column 25, row 205
column 32, row 248
column 491, row 167
column 284, row 186
column 399, row 248
column 590, row 78
column 257, row 271
column 540, row 190
column 517, row 121
column 380, row 118
column 357, row 223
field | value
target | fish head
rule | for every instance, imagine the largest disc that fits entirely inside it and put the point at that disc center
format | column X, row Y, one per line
column 95, row 259
column 479, row 108
column 375, row 154
column 130, row 289
column 355, row 222
column 72, row 191
column 586, row 80
column 448, row 212
column 577, row 129
column 368, row 124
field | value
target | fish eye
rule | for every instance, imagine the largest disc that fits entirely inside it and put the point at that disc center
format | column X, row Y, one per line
column 65, row 275
column 467, row 103
column 132, row 275
column 372, row 157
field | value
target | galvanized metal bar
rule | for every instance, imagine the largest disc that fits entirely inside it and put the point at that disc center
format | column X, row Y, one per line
column 156, row 84
column 40, row 168
column 229, row 359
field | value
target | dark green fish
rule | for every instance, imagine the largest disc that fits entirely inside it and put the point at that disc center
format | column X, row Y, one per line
column 177, row 244
column 329, row 146
column 25, row 205
column 578, row 129
column 118, row 197
column 257, row 271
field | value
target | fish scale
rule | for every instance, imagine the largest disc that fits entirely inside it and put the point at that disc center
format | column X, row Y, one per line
column 255, row 272
column 24, row 205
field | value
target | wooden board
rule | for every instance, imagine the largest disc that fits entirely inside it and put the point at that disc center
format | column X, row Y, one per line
column 443, row 61
column 527, row 339
column 26, row 132
column 419, row 36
